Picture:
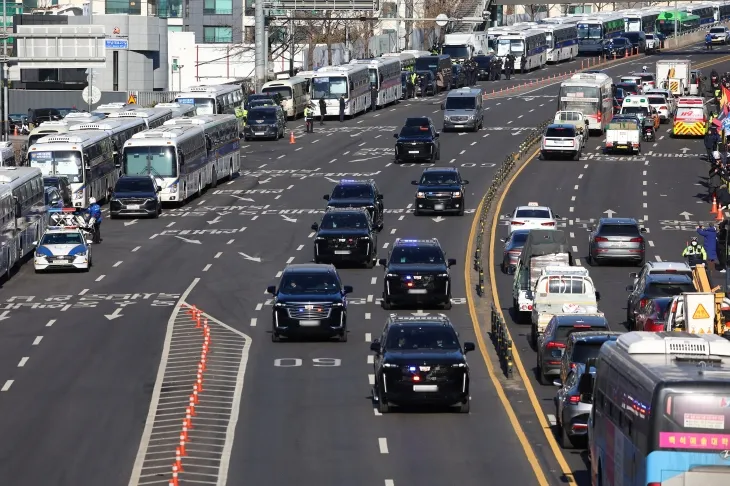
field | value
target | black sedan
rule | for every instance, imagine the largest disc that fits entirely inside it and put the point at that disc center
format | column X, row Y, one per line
column 458, row 76
column 440, row 189
column 135, row 196
column 513, row 246
column 417, row 143
column 618, row 46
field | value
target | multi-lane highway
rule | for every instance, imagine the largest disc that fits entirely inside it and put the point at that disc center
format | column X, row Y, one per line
column 80, row 353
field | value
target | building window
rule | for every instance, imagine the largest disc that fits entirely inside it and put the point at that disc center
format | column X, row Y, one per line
column 129, row 7
column 389, row 10
column 174, row 28
column 580, row 9
column 169, row 9
column 217, row 35
column 249, row 34
column 218, row 7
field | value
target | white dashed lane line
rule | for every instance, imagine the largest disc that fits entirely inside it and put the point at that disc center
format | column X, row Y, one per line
column 218, row 255
column 23, row 361
column 254, row 320
column 207, row 267
column 383, row 445
column 136, row 248
column 51, row 323
column 100, row 278
column 7, row 385
column 37, row 340
column 117, row 264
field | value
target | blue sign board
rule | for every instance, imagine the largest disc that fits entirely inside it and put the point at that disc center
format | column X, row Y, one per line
column 116, row 44
column 186, row 101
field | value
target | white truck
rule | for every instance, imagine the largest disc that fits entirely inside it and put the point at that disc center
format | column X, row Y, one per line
column 674, row 75
column 701, row 316
column 462, row 47
column 623, row 135
column 543, row 248
column 561, row 290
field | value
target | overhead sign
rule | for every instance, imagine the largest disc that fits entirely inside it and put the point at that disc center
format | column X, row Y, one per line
column 323, row 4
column 132, row 100
column 60, row 46
column 116, row 44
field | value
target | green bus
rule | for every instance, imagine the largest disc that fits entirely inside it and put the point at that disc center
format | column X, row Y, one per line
column 685, row 21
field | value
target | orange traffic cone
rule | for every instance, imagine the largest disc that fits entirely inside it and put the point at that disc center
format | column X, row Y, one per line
column 713, row 209
column 292, row 140
column 720, row 214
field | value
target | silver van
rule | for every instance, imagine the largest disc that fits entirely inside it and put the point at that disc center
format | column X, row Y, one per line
column 463, row 108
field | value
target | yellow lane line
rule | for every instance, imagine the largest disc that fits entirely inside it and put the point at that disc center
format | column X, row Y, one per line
column 526, row 447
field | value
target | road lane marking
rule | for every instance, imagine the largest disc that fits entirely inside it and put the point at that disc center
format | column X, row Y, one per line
column 153, row 236
column 580, row 176
column 385, row 245
column 23, row 361
column 218, row 255
column 370, row 359
column 230, row 241
column 291, row 259
column 651, row 243
column 7, row 385
column 117, row 264
column 400, row 218
column 136, row 248
column 169, row 225
column 368, row 337
column 201, row 202
column 259, row 306
column 207, row 267
column 373, row 280
column 658, row 258
column 367, row 315
column 515, row 423
column 392, row 232
column 51, row 322
column 299, row 248
column 383, row 445
column 370, row 298
column 575, row 188
column 254, row 320
column 83, row 291
column 389, row 482
column 37, row 340
column 100, row 278
column 462, row 152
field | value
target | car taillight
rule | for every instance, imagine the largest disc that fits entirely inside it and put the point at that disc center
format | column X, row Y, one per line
column 518, row 223
column 554, row 345
column 574, row 399
column 653, row 484
column 600, row 117
column 600, row 239
column 549, row 224
column 643, row 302
column 636, row 240
column 573, row 366
column 663, row 108
column 514, row 252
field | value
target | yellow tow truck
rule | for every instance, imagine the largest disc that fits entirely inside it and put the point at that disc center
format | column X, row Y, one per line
column 700, row 312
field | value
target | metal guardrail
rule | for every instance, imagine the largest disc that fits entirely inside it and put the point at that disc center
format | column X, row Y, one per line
column 499, row 332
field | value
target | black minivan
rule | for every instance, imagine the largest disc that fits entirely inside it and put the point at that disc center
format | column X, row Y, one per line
column 136, row 195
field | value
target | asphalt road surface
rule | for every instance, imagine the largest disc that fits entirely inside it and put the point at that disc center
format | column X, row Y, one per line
column 80, row 353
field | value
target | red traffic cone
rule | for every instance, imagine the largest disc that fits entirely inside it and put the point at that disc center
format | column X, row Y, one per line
column 713, row 209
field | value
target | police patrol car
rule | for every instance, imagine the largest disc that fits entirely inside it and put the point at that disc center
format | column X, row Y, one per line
column 532, row 216
column 62, row 248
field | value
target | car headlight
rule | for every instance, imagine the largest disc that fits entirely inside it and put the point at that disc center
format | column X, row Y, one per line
column 420, row 195
column 82, row 255
column 458, row 365
column 364, row 237
column 389, row 365
column 443, row 275
column 391, row 275
column 456, row 194
column 172, row 189
column 337, row 304
column 279, row 304
column 320, row 238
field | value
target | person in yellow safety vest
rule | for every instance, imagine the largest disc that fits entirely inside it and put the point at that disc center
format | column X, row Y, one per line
column 309, row 119
column 414, row 83
column 712, row 117
column 694, row 253
column 241, row 113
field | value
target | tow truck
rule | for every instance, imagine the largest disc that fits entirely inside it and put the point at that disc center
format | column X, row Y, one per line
column 700, row 312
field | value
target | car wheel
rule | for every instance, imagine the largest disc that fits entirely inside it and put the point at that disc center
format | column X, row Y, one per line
column 416, row 212
column 275, row 338
column 214, row 180
column 343, row 336
column 533, row 338
column 461, row 211
column 383, row 406
column 156, row 215
column 465, row 406
column 387, row 305
column 438, row 154
column 563, row 438
column 370, row 263
column 447, row 305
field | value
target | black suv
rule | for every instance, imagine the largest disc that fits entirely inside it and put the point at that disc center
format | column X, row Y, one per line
column 582, row 346
column 310, row 300
column 358, row 194
column 440, row 189
column 135, row 196
column 652, row 286
column 417, row 272
column 417, row 140
column 263, row 122
column 418, row 360
column 346, row 235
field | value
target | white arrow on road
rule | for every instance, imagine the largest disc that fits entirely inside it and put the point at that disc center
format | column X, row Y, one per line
column 215, row 220
column 462, row 133
column 686, row 215
column 265, row 181
column 117, row 313
column 129, row 223
column 291, row 220
column 243, row 198
column 249, row 257
column 438, row 219
column 223, row 213
column 419, row 313
column 685, row 150
column 610, row 213
column 197, row 242
column 4, row 315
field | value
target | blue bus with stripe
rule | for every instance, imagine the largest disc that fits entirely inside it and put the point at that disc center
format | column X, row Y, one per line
column 562, row 41
column 529, row 47
column 592, row 31
column 661, row 411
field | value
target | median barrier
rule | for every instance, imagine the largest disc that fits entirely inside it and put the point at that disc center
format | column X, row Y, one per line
column 499, row 332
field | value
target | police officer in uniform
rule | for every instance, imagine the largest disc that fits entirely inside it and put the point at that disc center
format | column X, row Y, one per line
column 694, row 253
column 509, row 65
column 309, row 118
column 322, row 110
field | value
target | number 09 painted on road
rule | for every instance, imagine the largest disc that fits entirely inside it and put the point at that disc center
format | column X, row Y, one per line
column 316, row 362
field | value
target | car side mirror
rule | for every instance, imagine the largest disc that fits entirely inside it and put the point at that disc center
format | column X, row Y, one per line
column 437, row 135
column 629, row 288
column 643, row 230
column 347, row 289
column 375, row 346
column 414, row 183
column 443, row 106
column 452, row 262
column 558, row 383
column 557, row 216
column 585, row 384
column 382, row 262
column 159, row 188
column 511, row 270
column 380, row 197
column 469, row 347
column 598, row 296
column 271, row 289
column 465, row 182
column 633, row 275
column 326, row 197
column 315, row 226
column 35, row 243
column 395, row 135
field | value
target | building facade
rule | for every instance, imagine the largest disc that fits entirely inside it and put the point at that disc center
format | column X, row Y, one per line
column 214, row 21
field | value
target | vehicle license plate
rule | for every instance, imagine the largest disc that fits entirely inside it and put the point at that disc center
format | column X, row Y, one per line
column 425, row 388
column 133, row 206
column 258, row 134
column 417, row 291
column 342, row 252
column 309, row 323
column 438, row 207
column 413, row 151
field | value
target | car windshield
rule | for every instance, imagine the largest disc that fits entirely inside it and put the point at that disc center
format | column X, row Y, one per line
column 414, row 131
column 562, row 332
column 58, row 162
column 158, row 161
column 351, row 191
column 439, row 178
column 532, row 213
column 666, row 289
column 460, row 103
column 619, row 230
column 344, row 221
column 427, row 255
column 62, row 239
column 404, row 338
column 717, row 30
column 134, row 185
column 560, row 132
column 635, row 110
column 583, row 351
column 657, row 100
column 519, row 238
column 265, row 115
column 308, row 283
column 257, row 103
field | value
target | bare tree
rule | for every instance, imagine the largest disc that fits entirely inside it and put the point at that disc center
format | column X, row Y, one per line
column 361, row 33
column 533, row 10
column 409, row 24
column 432, row 8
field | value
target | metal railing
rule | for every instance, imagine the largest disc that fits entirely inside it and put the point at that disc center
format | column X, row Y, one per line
column 217, row 11
column 502, row 343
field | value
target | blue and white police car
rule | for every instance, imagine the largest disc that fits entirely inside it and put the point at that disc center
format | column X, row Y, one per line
column 62, row 248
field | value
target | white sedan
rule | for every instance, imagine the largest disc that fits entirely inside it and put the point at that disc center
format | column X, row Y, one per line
column 62, row 248
column 532, row 216
column 661, row 105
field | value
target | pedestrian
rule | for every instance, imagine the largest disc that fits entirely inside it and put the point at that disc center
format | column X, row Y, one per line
column 709, row 242
column 722, row 247
column 423, row 85
column 523, row 64
column 714, row 179
column 712, row 139
column 440, row 82
column 322, row 110
column 342, row 108
column 373, row 97
column 509, row 64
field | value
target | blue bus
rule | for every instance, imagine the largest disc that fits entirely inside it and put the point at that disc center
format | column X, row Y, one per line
column 592, row 31
column 661, row 411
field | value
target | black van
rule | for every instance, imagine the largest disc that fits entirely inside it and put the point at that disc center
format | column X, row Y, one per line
column 441, row 63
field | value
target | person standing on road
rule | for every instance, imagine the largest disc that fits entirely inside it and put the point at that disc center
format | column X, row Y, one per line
column 342, row 108
column 322, row 110
column 509, row 65
column 709, row 242
column 712, row 139
column 722, row 247
column 423, row 85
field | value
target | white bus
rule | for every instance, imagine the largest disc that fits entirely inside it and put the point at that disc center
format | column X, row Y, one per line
column 178, row 109
column 108, row 108
column 529, row 48
column 293, row 92
column 722, row 10
column 119, row 129
column 562, row 41
column 407, row 60
column 222, row 143
column 174, row 155
column 212, row 100
column 7, row 155
column 385, row 77
column 22, row 214
column 152, row 117
column 350, row 80
column 61, row 126
column 86, row 159
column 641, row 20
column 592, row 95
column 592, row 31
